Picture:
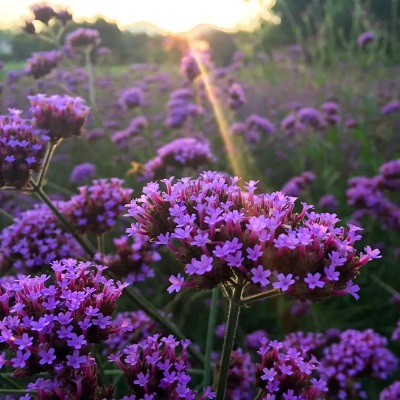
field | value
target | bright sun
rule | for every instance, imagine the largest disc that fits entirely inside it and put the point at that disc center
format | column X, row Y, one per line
column 171, row 15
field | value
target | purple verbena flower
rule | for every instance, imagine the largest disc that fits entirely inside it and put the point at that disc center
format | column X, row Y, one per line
column 38, row 342
column 22, row 148
column 61, row 116
column 97, row 207
column 82, row 172
column 392, row 392
column 42, row 63
column 284, row 371
column 84, row 38
column 35, row 239
column 289, row 245
column 132, row 259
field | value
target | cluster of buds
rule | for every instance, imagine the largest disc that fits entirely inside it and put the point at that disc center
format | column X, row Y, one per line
column 61, row 116
column 49, row 328
column 42, row 63
column 22, row 148
column 183, row 152
column 155, row 370
column 97, row 207
column 222, row 234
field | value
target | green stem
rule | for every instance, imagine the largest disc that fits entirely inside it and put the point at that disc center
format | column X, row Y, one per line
column 394, row 22
column 212, row 320
column 229, row 339
column 89, row 70
column 59, row 188
column 6, row 214
column 12, row 383
column 100, row 244
column 46, row 163
column 249, row 300
column 13, row 391
column 385, row 286
column 86, row 245
column 259, row 394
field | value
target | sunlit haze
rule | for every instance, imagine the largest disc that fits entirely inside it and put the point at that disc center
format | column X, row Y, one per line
column 169, row 15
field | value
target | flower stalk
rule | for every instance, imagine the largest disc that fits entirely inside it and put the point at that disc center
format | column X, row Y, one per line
column 210, row 336
column 229, row 338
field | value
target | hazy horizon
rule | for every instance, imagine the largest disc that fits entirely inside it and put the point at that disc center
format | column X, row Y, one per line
column 174, row 16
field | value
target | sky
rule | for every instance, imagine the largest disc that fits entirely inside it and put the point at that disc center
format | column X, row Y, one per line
column 171, row 15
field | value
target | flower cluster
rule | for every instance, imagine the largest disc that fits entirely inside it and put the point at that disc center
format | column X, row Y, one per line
column 43, row 13
column 131, row 261
column 64, row 16
column 155, row 371
column 368, row 194
column 391, row 107
column 180, row 108
column 82, row 172
column 328, row 203
column 330, row 110
column 61, row 116
column 294, row 186
column 183, row 152
column 136, row 126
column 190, row 68
column 236, row 96
column 139, row 326
column 22, row 148
column 307, row 341
column 365, row 38
column 392, row 392
column 97, row 207
column 356, row 354
column 42, row 63
column 49, row 327
column 34, row 240
column 304, row 119
column 253, row 129
column 396, row 332
column 286, row 373
column 84, row 38
column 131, row 98
column 219, row 232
